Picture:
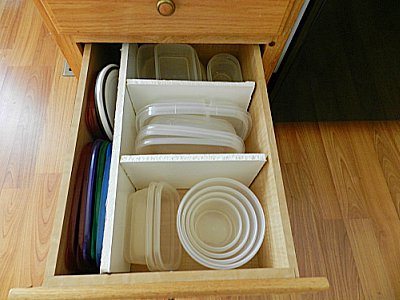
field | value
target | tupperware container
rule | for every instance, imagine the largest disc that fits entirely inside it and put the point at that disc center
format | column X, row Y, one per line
column 257, row 222
column 176, row 62
column 248, row 238
column 215, row 223
column 224, row 67
column 202, row 122
column 230, row 249
column 167, row 250
column 201, row 70
column 183, row 145
column 145, row 66
column 157, row 130
column 151, row 238
column 239, row 118
column 137, row 219
column 149, row 229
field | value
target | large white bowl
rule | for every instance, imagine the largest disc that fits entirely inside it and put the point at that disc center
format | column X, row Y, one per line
column 257, row 223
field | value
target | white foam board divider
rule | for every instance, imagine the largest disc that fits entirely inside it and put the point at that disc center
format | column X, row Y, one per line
column 185, row 170
column 145, row 91
column 119, row 186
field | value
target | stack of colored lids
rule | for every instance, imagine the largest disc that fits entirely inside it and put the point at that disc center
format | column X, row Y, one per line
column 101, row 101
column 86, row 220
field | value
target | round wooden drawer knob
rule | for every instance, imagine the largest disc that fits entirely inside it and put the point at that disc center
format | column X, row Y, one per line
column 165, row 7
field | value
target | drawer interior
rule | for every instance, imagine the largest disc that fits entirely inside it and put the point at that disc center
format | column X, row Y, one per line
column 276, row 257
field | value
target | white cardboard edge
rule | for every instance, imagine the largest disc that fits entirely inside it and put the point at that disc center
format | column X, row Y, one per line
column 193, row 157
column 183, row 171
column 148, row 91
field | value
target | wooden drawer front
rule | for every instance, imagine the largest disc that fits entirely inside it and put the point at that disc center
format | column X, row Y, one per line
column 272, row 270
column 193, row 21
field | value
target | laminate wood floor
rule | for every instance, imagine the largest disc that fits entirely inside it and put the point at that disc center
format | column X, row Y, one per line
column 342, row 180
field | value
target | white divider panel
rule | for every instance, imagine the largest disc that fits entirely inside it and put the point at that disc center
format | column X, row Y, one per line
column 128, row 134
column 144, row 92
column 112, row 258
column 185, row 170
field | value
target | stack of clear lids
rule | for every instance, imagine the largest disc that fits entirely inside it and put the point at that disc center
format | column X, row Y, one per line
column 150, row 237
column 177, row 128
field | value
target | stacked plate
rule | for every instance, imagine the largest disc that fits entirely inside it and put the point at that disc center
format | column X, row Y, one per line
column 167, row 128
column 100, row 108
column 150, row 235
column 86, row 221
column 220, row 223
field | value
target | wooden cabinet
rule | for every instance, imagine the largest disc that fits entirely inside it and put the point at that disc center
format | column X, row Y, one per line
column 274, row 269
column 265, row 22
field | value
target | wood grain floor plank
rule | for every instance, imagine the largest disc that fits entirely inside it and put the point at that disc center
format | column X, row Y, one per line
column 13, row 211
column 28, row 33
column 339, row 261
column 20, row 167
column 343, row 164
column 369, row 260
column 374, row 193
column 386, row 149
column 304, row 227
column 302, row 144
column 58, row 118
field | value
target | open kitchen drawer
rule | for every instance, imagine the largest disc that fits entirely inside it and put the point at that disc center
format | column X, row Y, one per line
column 272, row 270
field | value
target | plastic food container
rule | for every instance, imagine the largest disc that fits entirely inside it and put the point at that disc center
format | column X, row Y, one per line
column 183, row 145
column 224, row 67
column 257, row 222
column 157, row 130
column 167, row 250
column 135, row 236
column 229, row 249
column 237, row 117
column 145, row 66
column 201, row 70
column 176, row 62
column 151, row 238
column 193, row 121
column 210, row 220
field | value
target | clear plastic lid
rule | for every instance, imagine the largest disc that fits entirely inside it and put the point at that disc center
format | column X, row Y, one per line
column 193, row 121
column 157, row 130
column 145, row 66
column 182, row 145
column 239, row 118
column 224, row 67
column 176, row 62
column 167, row 250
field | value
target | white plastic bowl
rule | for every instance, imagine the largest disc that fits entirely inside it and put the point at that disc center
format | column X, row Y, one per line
column 227, row 250
column 245, row 246
column 215, row 223
column 258, row 227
